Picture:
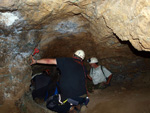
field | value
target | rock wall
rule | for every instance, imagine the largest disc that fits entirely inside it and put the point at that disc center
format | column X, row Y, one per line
column 26, row 24
column 129, row 19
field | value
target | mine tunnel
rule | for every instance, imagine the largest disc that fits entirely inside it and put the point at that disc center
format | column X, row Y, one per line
column 115, row 32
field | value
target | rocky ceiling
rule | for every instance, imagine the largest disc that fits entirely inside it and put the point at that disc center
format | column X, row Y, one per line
column 112, row 30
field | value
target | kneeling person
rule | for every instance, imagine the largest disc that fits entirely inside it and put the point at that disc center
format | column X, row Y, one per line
column 99, row 74
column 72, row 82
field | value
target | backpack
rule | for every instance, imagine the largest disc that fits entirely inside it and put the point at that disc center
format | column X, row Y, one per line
column 42, row 86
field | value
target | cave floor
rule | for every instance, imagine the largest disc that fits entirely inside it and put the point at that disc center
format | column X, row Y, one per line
column 114, row 99
column 119, row 99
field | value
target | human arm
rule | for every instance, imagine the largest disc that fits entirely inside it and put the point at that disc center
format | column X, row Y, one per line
column 43, row 61
column 89, row 77
column 108, row 80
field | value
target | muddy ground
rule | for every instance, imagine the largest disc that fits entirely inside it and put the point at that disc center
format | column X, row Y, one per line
column 117, row 98
column 120, row 99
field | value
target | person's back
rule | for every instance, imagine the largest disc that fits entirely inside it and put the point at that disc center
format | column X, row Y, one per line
column 72, row 81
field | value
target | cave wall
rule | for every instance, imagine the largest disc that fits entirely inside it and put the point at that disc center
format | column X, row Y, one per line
column 26, row 24
column 129, row 19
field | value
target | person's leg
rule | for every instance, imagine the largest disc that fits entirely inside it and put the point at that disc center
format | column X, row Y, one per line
column 82, row 103
column 54, row 105
column 63, row 108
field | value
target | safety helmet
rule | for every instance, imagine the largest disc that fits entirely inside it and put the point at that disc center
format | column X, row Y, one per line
column 93, row 60
column 80, row 53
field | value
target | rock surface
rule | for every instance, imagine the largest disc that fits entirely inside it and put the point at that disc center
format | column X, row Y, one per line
column 59, row 27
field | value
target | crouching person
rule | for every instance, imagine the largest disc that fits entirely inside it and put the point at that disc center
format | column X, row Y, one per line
column 99, row 74
column 72, row 83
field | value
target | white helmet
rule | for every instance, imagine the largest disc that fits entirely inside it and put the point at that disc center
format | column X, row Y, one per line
column 93, row 60
column 80, row 53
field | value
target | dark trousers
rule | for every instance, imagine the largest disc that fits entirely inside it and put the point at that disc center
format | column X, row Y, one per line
column 62, row 108
column 54, row 105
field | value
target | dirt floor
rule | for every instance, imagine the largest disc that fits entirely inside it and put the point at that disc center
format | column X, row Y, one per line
column 119, row 99
column 114, row 99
